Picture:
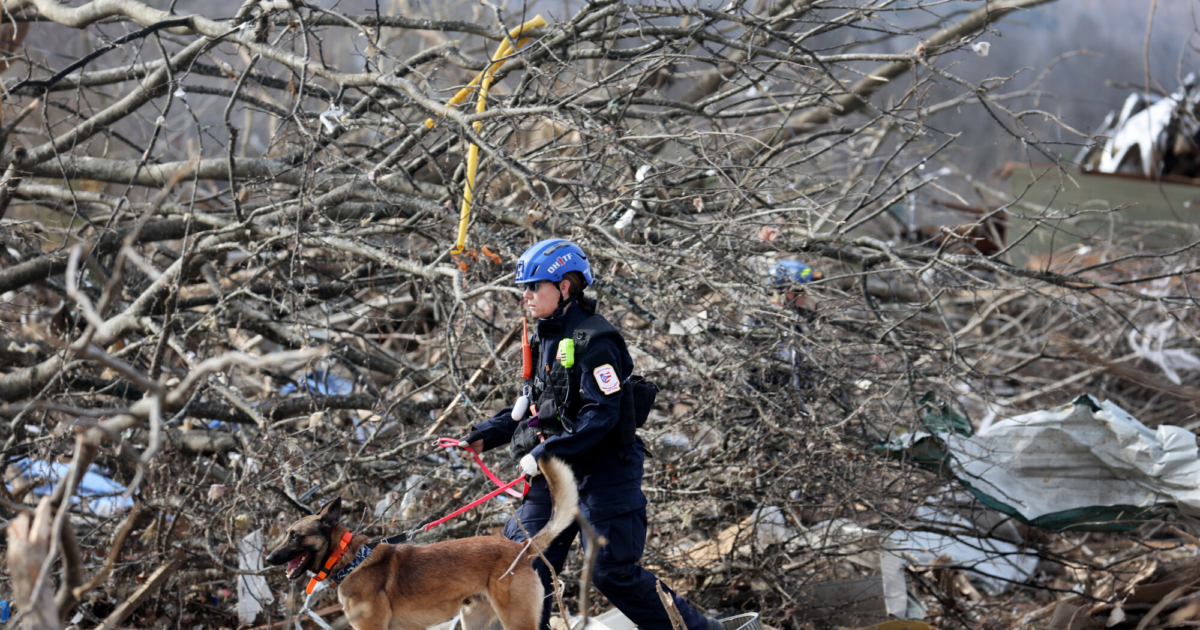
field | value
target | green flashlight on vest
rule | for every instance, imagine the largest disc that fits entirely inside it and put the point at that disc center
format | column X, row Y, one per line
column 566, row 352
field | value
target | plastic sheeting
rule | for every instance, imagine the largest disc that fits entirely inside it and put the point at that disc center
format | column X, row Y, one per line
column 101, row 495
column 253, row 591
column 1087, row 466
column 319, row 382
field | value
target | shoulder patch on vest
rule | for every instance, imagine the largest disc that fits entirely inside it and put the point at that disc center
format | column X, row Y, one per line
column 607, row 380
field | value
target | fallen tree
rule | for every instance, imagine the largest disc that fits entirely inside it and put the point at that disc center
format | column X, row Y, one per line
column 229, row 288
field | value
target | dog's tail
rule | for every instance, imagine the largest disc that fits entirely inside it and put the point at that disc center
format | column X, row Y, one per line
column 564, row 497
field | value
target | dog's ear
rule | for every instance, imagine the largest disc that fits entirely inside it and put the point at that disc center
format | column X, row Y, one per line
column 331, row 514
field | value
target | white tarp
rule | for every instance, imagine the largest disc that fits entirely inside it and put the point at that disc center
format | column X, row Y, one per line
column 1073, row 457
column 253, row 591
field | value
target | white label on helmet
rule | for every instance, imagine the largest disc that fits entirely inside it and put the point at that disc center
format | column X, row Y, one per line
column 559, row 262
column 606, row 378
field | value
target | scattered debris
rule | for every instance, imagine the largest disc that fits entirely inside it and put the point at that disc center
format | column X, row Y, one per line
column 844, row 603
column 996, row 565
column 765, row 526
column 1161, row 593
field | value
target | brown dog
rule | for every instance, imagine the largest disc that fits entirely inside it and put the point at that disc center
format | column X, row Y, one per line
column 405, row 587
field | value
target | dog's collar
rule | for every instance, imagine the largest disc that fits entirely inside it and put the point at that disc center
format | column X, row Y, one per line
column 333, row 559
column 343, row 572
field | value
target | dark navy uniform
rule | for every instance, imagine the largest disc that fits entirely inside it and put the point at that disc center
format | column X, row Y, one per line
column 608, row 469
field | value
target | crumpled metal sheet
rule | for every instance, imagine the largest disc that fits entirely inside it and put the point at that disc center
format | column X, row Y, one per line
column 1088, row 465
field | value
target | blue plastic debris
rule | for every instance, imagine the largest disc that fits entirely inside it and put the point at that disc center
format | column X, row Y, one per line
column 103, row 495
column 789, row 271
column 320, row 382
column 5, row 611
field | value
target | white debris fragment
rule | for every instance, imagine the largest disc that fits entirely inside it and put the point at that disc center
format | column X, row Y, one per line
column 180, row 94
column 629, row 214
column 770, row 527
column 389, row 506
column 413, row 503
column 1141, row 134
column 333, row 117
column 981, row 48
column 675, row 440
column 690, row 326
column 625, row 219
column 253, row 591
column 1150, row 344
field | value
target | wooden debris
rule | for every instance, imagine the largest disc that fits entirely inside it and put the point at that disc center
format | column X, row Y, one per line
column 28, row 546
column 152, row 583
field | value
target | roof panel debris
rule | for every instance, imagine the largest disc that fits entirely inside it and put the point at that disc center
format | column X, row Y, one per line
column 1151, row 136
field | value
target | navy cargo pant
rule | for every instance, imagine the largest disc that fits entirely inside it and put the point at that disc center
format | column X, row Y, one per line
column 629, row 587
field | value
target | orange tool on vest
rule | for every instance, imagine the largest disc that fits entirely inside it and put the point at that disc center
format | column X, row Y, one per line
column 526, row 352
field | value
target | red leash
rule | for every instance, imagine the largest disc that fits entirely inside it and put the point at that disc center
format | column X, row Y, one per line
column 452, row 443
column 504, row 487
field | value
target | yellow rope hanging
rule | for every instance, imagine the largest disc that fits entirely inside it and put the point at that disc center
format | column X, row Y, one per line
column 484, row 81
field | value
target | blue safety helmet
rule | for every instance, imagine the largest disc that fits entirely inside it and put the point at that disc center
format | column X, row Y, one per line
column 790, row 271
column 550, row 260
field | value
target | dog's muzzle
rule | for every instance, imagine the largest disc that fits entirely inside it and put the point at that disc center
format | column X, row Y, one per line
column 296, row 565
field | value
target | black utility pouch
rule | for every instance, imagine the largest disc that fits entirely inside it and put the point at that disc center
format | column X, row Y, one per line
column 642, row 395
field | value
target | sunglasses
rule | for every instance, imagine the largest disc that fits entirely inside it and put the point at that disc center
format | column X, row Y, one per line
column 532, row 286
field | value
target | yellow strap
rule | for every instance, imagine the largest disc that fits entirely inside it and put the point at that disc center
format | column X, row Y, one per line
column 484, row 81
column 498, row 60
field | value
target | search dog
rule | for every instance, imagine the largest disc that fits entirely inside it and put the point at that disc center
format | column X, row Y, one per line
column 407, row 587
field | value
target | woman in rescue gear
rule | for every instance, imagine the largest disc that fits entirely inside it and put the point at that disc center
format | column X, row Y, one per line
column 581, row 403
